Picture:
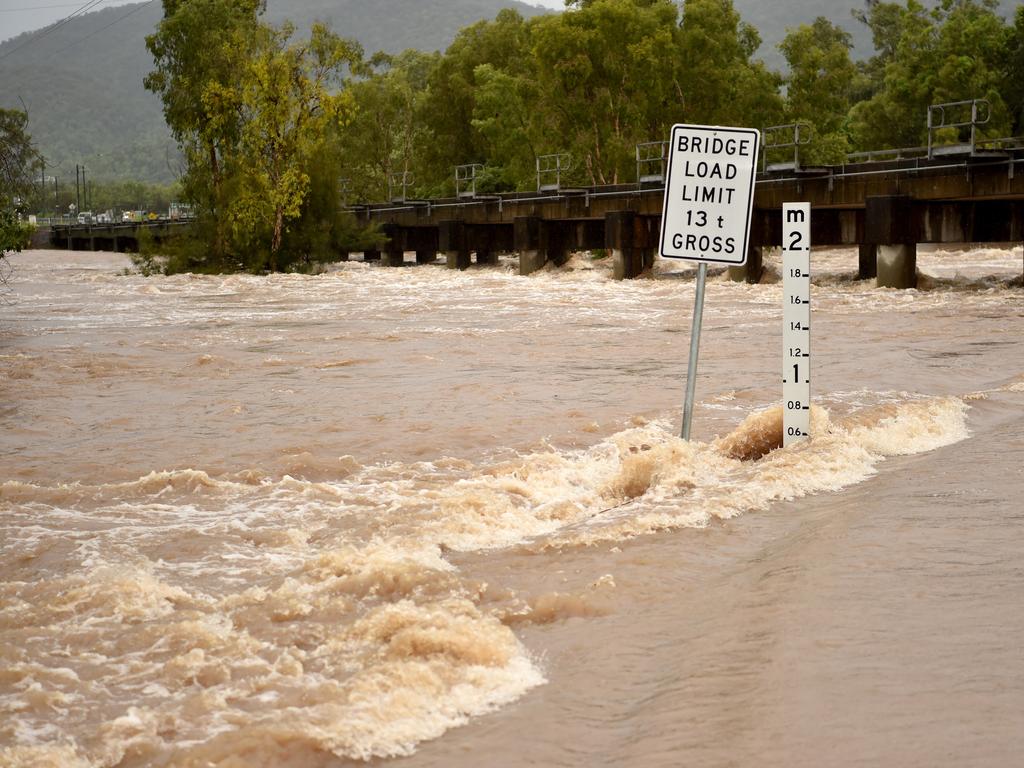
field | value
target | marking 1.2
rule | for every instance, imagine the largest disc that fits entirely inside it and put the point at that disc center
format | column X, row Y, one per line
column 796, row 322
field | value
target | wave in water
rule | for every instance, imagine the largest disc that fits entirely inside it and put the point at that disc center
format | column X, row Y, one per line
column 328, row 619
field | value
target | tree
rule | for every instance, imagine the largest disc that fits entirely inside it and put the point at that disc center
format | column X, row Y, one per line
column 388, row 133
column 19, row 162
column 504, row 113
column 288, row 108
column 606, row 83
column 955, row 52
column 449, row 105
column 820, row 86
column 722, row 84
column 255, row 114
column 199, row 51
column 1013, row 75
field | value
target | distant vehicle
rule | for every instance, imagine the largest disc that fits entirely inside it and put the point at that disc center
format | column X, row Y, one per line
column 180, row 211
column 127, row 216
column 86, row 217
column 104, row 218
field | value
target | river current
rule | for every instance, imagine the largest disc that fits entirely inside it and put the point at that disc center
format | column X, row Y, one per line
column 433, row 518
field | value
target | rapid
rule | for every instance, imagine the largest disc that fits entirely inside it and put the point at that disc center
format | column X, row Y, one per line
column 426, row 517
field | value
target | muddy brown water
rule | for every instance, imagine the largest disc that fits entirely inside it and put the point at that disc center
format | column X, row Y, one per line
column 428, row 518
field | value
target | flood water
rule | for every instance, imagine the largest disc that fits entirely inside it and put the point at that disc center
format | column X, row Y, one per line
column 426, row 518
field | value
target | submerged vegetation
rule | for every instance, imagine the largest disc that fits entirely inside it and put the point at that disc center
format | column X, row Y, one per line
column 19, row 162
column 278, row 135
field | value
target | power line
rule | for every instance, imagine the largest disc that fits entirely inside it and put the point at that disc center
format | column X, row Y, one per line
column 106, row 27
column 53, row 27
column 38, row 7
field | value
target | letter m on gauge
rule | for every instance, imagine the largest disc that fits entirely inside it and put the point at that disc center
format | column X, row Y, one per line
column 709, row 193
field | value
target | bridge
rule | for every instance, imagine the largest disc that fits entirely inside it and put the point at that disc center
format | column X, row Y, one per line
column 886, row 203
column 121, row 237
column 885, row 206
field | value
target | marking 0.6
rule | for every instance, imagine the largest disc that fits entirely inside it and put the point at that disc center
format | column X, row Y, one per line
column 796, row 322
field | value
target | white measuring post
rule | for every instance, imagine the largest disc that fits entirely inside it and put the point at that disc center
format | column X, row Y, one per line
column 709, row 197
column 796, row 322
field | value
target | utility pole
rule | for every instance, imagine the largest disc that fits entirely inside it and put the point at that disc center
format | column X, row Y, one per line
column 78, row 190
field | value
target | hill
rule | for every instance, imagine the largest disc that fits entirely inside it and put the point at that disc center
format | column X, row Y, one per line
column 82, row 84
column 83, row 87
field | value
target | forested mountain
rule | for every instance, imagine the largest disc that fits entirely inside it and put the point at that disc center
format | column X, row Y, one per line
column 82, row 83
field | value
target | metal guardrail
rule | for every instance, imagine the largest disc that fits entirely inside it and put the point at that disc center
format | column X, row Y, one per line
column 1002, row 144
column 552, row 166
column 789, row 136
column 651, row 161
column 881, row 155
column 980, row 114
column 465, row 179
column 401, row 180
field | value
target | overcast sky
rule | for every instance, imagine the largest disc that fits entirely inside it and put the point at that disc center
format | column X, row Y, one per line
column 17, row 16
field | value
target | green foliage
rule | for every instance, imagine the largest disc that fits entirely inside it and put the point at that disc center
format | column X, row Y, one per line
column 591, row 82
column 19, row 162
column 820, row 87
column 954, row 52
column 386, row 135
column 256, row 115
column 1013, row 78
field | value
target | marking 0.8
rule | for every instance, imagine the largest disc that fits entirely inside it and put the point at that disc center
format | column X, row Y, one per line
column 796, row 322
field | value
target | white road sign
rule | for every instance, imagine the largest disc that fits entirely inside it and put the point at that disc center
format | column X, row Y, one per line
column 709, row 194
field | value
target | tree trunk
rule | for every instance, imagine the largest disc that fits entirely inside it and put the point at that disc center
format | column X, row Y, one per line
column 275, row 244
column 218, row 245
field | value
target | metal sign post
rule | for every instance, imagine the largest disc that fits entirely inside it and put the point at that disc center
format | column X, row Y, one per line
column 691, row 370
column 709, row 197
column 796, row 322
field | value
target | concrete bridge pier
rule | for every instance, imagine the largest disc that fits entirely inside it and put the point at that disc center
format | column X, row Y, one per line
column 451, row 236
column 371, row 255
column 483, row 246
column 631, row 240
column 751, row 271
column 394, row 252
column 867, row 262
column 897, row 266
column 343, row 255
column 889, row 225
column 526, row 239
column 422, row 240
column 392, row 257
column 539, row 241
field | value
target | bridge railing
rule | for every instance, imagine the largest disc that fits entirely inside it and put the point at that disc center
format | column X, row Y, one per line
column 651, row 158
column 550, row 169
column 465, row 179
column 980, row 114
column 398, row 186
column 881, row 155
column 790, row 136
